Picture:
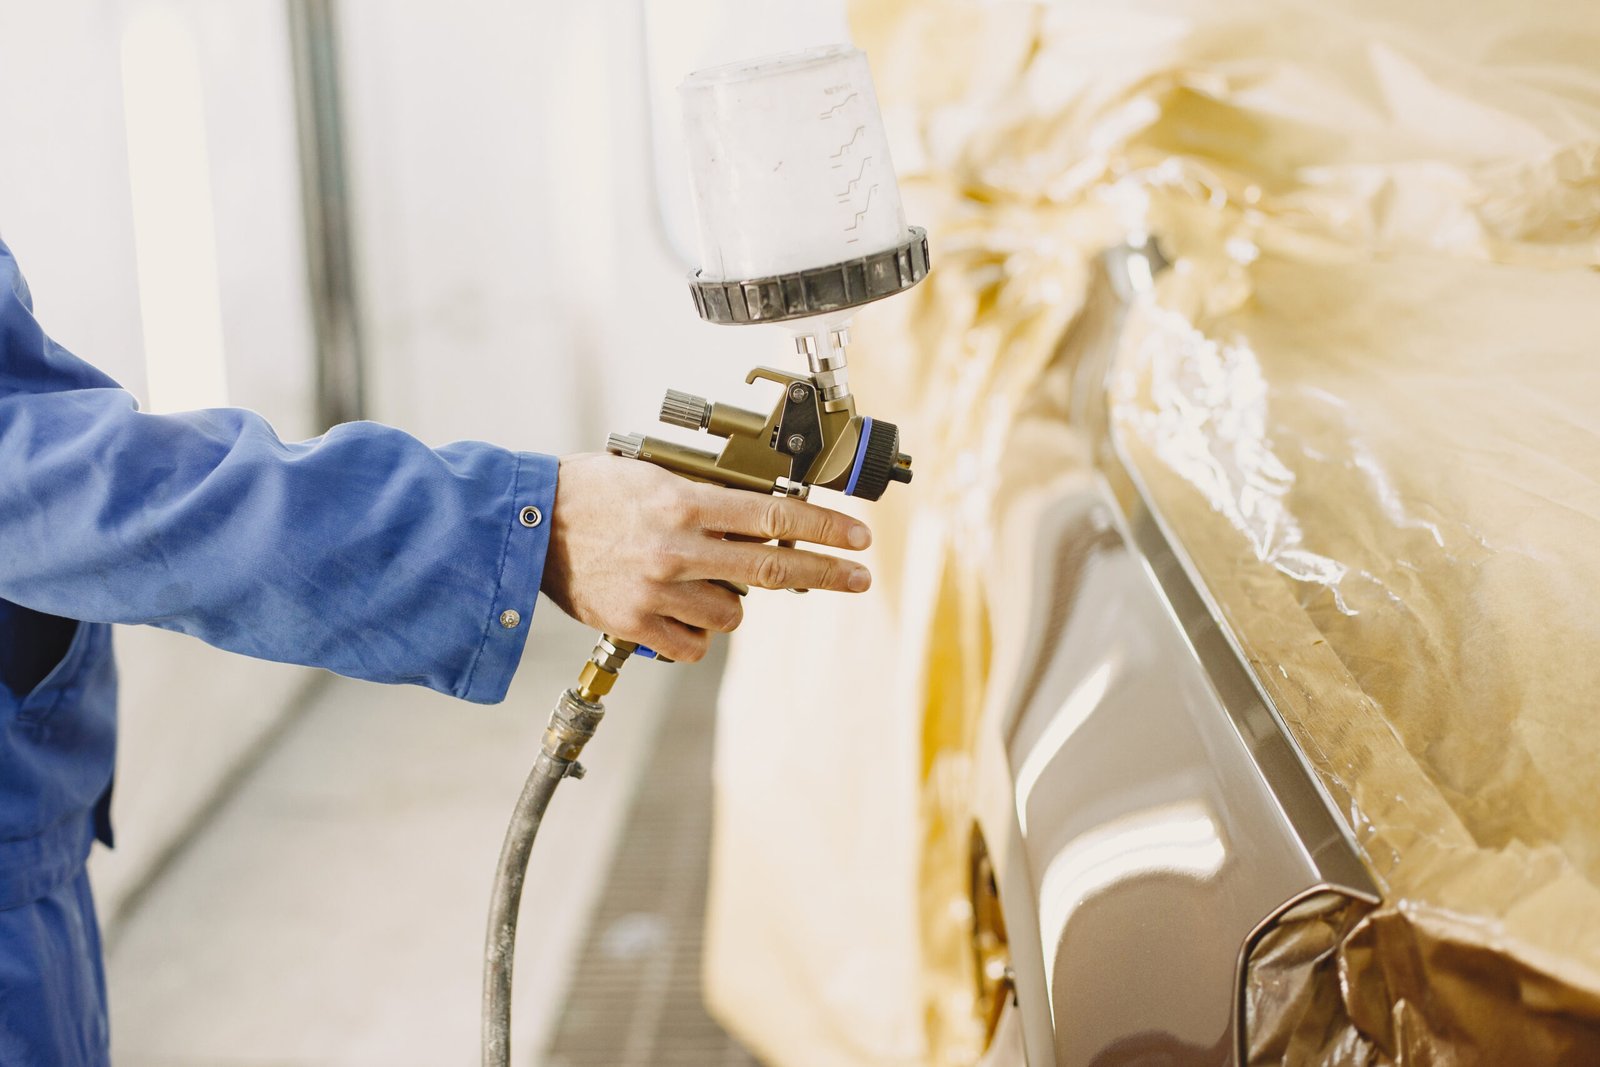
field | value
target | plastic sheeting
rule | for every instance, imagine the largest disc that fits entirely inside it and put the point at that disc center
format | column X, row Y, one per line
column 1366, row 397
column 1389, row 473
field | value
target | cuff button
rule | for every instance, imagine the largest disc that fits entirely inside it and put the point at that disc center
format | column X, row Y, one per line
column 510, row 619
column 531, row 516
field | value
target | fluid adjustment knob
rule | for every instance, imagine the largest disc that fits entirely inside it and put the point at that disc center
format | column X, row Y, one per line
column 686, row 410
column 879, row 460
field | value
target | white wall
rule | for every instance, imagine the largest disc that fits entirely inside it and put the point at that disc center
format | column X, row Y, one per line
column 64, row 177
column 188, row 712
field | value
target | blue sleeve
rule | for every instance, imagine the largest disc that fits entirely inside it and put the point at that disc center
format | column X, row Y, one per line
column 364, row 551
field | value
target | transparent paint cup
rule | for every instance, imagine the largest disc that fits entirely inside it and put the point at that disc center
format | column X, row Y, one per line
column 789, row 165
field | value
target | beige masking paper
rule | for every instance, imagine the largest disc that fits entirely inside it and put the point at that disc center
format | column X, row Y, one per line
column 1367, row 396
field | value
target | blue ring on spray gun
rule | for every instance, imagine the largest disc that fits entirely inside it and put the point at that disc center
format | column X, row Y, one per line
column 861, row 455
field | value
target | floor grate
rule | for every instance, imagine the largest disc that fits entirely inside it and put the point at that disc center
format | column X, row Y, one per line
column 635, row 996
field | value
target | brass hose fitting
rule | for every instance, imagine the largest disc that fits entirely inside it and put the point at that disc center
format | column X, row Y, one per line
column 599, row 672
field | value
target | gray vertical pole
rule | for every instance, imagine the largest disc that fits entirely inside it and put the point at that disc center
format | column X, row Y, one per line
column 326, row 208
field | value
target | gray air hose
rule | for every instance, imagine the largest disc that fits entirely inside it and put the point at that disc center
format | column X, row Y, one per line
column 572, row 724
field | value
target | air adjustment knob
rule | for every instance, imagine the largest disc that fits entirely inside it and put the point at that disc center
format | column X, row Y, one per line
column 686, row 410
column 879, row 460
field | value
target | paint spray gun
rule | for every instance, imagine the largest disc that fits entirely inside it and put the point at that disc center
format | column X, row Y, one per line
column 800, row 224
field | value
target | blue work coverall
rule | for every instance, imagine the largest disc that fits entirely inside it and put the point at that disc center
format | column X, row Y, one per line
column 363, row 552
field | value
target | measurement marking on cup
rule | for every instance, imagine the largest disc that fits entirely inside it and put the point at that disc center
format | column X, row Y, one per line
column 864, row 209
column 846, row 146
column 848, row 189
column 836, row 108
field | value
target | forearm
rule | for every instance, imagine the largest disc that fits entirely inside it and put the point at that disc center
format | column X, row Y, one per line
column 364, row 552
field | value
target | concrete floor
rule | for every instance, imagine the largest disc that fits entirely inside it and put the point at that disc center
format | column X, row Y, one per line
column 332, row 912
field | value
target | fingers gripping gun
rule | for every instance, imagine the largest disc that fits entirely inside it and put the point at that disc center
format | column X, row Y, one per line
column 813, row 435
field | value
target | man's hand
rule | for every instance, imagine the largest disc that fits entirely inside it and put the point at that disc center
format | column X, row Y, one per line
column 634, row 550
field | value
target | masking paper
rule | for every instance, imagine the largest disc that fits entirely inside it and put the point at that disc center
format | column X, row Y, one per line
column 1365, row 395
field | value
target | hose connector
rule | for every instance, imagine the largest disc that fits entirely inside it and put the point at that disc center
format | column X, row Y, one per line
column 600, row 670
column 572, row 724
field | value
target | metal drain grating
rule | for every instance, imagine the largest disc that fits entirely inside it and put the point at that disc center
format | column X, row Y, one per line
column 635, row 997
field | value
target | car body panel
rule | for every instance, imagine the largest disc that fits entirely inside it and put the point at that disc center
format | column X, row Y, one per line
column 1160, row 813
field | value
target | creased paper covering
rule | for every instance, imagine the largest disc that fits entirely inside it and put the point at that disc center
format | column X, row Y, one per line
column 1389, row 473
column 1368, row 397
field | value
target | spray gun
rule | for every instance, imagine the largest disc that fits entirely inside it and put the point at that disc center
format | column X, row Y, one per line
column 800, row 224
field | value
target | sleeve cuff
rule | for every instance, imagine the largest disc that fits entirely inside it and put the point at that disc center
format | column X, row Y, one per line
column 529, row 510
